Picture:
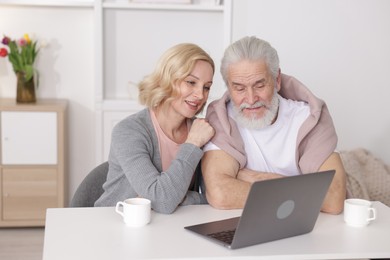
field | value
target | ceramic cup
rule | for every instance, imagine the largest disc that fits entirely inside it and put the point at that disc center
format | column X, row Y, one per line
column 135, row 211
column 358, row 212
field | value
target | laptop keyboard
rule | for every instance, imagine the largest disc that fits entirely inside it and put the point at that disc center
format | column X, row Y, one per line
column 224, row 236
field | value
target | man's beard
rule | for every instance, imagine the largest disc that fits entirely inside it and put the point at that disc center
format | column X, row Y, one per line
column 253, row 122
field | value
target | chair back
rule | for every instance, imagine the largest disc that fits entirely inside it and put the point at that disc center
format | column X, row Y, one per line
column 90, row 189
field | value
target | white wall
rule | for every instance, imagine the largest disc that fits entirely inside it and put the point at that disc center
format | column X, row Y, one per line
column 338, row 48
column 66, row 70
column 341, row 50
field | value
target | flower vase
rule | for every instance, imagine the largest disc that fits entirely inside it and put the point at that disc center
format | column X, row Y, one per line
column 25, row 92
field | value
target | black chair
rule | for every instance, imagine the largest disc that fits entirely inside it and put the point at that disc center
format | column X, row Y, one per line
column 90, row 189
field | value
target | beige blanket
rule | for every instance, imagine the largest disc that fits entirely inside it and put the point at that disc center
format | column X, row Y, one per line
column 367, row 176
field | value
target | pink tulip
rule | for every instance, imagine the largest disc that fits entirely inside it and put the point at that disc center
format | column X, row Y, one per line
column 22, row 42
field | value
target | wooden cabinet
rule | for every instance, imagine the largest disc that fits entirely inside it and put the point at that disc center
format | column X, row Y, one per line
column 32, row 160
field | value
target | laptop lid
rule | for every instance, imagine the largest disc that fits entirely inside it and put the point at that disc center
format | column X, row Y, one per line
column 275, row 209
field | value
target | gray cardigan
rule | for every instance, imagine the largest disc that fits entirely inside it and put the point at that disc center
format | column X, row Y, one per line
column 135, row 168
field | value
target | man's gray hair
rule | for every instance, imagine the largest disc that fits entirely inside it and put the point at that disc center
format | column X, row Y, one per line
column 253, row 49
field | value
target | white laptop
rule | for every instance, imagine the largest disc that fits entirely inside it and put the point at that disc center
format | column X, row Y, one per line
column 275, row 209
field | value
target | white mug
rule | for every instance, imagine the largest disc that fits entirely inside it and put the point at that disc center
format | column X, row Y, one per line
column 358, row 212
column 135, row 211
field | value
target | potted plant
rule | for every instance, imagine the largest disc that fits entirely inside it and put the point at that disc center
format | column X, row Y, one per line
column 22, row 53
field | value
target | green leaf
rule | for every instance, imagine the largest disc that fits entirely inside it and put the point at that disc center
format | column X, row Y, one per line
column 29, row 72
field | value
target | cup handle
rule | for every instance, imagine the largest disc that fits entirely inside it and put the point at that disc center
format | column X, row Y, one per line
column 118, row 207
column 373, row 214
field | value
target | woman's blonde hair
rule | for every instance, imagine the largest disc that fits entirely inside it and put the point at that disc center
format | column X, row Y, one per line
column 174, row 65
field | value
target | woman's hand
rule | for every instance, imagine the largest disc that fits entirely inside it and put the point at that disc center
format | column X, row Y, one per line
column 200, row 133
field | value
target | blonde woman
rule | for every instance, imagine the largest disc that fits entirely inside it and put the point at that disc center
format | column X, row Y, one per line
column 155, row 153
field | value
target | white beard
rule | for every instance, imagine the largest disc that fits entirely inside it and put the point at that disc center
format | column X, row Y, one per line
column 257, row 123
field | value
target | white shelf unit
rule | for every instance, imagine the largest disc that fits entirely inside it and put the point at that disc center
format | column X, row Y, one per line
column 151, row 6
column 130, row 37
column 49, row 3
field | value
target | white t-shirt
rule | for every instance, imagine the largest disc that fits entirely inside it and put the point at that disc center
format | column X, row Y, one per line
column 273, row 148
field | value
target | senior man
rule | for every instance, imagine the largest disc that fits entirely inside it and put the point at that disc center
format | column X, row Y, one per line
column 268, row 125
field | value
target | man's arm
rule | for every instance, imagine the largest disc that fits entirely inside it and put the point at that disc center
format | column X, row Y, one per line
column 252, row 176
column 223, row 189
column 227, row 187
column 334, row 199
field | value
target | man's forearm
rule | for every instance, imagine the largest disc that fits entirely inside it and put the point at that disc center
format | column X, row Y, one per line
column 228, row 193
column 334, row 200
column 253, row 176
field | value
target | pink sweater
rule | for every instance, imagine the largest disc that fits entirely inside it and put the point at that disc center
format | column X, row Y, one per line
column 316, row 141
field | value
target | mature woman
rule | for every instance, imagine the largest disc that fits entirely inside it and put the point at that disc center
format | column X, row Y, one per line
column 155, row 153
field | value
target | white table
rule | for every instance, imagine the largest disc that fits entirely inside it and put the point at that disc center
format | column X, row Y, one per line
column 99, row 233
